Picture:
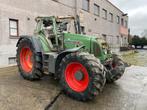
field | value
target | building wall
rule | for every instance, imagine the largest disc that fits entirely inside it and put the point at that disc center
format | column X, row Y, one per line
column 99, row 26
column 26, row 11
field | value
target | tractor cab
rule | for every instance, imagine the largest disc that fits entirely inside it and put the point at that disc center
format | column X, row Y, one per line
column 53, row 28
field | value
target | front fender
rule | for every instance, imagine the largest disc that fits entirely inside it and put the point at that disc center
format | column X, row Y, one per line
column 76, row 49
column 64, row 53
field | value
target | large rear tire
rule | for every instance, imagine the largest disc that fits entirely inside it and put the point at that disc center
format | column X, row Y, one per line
column 29, row 62
column 115, row 69
column 82, row 76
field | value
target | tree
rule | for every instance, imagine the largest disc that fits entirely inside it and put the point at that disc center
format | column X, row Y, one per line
column 143, row 42
column 137, row 41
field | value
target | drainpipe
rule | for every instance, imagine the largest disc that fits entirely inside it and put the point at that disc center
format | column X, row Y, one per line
column 76, row 8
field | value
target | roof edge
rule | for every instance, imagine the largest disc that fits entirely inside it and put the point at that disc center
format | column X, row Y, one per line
column 115, row 6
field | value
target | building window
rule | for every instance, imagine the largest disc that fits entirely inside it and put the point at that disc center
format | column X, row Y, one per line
column 122, row 22
column 125, row 40
column 110, row 17
column 118, row 19
column 83, row 30
column 12, row 60
column 13, row 28
column 104, row 15
column 117, row 39
column 96, row 10
column 126, row 24
column 55, row 0
column 85, row 5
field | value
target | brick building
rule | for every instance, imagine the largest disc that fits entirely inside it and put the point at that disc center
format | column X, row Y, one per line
column 98, row 17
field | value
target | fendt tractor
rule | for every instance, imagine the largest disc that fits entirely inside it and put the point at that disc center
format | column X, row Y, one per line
column 82, row 64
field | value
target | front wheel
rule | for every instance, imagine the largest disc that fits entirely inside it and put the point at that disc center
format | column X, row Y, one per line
column 82, row 76
column 115, row 69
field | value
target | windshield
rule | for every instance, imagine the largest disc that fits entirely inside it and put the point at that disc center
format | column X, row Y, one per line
column 68, row 23
column 71, row 26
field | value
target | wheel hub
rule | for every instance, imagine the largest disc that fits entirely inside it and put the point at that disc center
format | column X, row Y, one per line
column 79, row 75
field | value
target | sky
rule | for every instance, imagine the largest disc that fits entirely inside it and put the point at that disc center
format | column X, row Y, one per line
column 137, row 12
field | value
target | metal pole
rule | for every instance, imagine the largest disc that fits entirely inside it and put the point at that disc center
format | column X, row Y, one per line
column 76, row 8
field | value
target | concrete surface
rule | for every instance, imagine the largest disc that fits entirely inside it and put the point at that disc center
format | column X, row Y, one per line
column 128, row 93
column 19, row 94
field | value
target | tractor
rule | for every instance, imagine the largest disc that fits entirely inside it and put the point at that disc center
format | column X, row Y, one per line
column 82, row 64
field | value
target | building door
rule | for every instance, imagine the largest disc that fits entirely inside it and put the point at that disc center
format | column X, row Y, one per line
column 118, row 40
column 121, row 41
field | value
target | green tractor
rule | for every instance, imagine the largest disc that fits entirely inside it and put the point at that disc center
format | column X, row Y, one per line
column 81, row 63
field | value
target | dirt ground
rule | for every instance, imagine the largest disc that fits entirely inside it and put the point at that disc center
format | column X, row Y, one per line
column 128, row 93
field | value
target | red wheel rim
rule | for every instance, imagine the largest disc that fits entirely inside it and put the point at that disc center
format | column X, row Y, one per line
column 113, row 65
column 26, row 59
column 73, row 83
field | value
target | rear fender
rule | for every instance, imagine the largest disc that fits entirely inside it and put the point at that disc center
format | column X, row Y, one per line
column 35, row 41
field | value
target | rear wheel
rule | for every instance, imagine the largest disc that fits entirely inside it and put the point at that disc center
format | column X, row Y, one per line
column 82, row 76
column 115, row 69
column 29, row 62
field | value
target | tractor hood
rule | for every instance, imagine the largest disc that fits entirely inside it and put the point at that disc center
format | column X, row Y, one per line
column 93, row 45
column 76, row 40
column 78, row 35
